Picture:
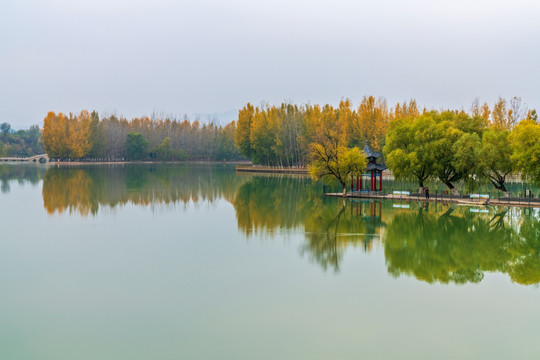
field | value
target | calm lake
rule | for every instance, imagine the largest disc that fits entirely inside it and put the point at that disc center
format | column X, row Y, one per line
column 199, row 262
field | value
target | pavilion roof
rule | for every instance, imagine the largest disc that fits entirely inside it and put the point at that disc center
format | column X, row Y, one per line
column 370, row 153
column 380, row 167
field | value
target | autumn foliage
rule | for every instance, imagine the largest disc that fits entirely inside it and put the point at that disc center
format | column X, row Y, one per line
column 419, row 144
column 86, row 136
column 282, row 135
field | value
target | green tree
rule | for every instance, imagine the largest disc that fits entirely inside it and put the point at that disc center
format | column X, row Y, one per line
column 466, row 157
column 525, row 142
column 410, row 148
column 4, row 128
column 494, row 157
column 446, row 136
column 136, row 146
column 164, row 151
column 97, row 137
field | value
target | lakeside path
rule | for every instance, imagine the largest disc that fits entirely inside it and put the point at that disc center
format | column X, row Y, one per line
column 506, row 201
column 77, row 163
column 271, row 170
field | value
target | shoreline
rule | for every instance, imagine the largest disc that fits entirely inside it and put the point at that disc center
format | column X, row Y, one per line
column 518, row 202
column 271, row 170
column 94, row 163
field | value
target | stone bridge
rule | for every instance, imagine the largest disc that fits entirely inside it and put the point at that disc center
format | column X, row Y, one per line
column 38, row 159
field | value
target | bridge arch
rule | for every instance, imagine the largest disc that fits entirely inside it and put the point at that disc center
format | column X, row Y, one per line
column 41, row 159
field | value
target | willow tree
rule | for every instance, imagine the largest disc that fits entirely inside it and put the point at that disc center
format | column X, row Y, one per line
column 411, row 145
column 494, row 157
column 330, row 164
column 330, row 159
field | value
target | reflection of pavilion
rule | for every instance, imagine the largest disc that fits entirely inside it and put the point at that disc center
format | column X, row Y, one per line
column 371, row 216
column 373, row 170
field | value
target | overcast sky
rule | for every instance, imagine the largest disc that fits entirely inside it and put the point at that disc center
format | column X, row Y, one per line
column 135, row 57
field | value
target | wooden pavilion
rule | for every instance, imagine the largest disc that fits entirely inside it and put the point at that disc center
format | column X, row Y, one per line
column 374, row 171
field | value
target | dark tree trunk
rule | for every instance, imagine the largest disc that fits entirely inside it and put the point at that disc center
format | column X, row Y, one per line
column 499, row 185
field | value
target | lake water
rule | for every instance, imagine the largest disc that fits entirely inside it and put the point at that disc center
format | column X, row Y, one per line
column 198, row 262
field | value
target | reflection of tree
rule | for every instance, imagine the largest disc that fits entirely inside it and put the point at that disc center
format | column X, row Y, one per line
column 434, row 243
column 71, row 189
column 322, row 237
column 525, row 267
column 85, row 189
column 272, row 203
column 461, row 246
column 20, row 173
column 277, row 203
column 336, row 225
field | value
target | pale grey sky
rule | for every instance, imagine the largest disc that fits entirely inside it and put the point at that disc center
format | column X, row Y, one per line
column 136, row 57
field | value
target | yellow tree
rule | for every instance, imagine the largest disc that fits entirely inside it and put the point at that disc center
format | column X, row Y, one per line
column 499, row 116
column 485, row 112
column 372, row 115
column 347, row 117
column 80, row 135
column 263, row 137
column 55, row 133
column 403, row 111
column 243, row 130
column 525, row 142
column 330, row 159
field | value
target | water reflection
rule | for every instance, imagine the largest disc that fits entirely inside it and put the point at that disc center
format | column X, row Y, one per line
column 85, row 189
column 448, row 244
column 21, row 173
column 437, row 243
column 339, row 224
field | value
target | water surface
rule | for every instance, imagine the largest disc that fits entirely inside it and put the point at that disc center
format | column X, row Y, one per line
column 198, row 262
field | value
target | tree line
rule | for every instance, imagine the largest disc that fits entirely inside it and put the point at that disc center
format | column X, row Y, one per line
column 87, row 136
column 20, row 143
column 282, row 135
column 451, row 146
column 86, row 190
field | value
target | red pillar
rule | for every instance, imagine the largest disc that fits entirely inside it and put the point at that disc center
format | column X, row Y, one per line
column 357, row 182
column 380, row 189
column 371, row 180
column 361, row 181
column 352, row 178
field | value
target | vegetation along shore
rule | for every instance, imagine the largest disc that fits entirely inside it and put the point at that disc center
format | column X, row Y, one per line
column 484, row 144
